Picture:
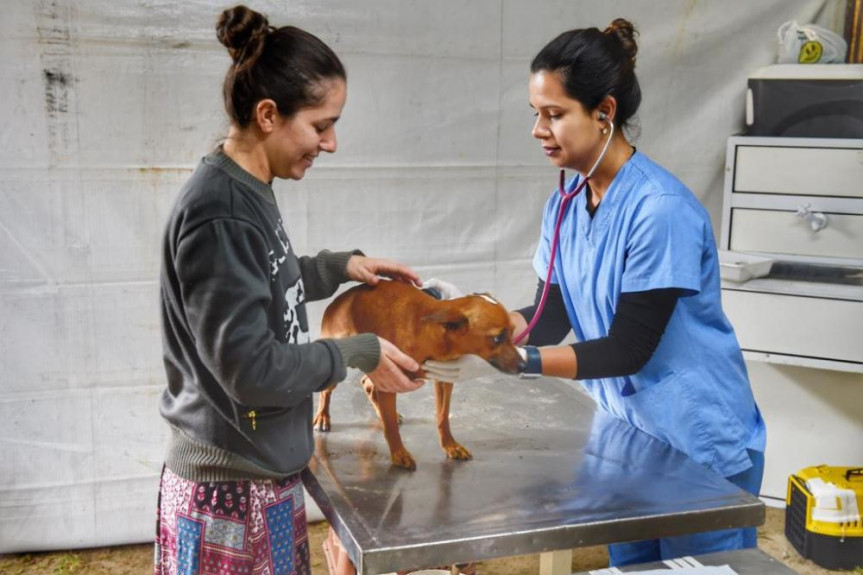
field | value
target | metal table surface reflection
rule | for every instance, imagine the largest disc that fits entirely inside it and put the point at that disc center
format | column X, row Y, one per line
column 550, row 472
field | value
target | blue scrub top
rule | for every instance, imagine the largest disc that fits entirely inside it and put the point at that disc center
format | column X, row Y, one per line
column 650, row 232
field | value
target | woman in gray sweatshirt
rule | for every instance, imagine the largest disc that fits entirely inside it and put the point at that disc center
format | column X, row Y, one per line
column 240, row 365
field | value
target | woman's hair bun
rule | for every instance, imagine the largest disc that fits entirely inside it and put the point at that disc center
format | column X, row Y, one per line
column 242, row 31
column 625, row 33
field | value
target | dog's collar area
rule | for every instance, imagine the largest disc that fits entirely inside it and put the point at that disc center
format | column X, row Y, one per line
column 433, row 292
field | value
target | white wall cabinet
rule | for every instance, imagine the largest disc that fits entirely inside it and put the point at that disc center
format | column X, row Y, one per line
column 810, row 311
column 801, row 326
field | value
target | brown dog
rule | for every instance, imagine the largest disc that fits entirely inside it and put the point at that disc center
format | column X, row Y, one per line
column 424, row 328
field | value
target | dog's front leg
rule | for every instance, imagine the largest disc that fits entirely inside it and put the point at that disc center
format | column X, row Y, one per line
column 399, row 455
column 322, row 418
column 443, row 394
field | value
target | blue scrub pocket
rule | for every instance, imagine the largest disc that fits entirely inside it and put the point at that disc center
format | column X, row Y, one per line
column 669, row 411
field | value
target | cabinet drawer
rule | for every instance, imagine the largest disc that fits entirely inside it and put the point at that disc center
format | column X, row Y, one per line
column 780, row 232
column 794, row 325
column 799, row 171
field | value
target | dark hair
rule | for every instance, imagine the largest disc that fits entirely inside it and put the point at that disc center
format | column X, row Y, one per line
column 596, row 64
column 285, row 64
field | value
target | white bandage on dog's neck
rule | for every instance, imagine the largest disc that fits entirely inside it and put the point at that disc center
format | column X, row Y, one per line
column 487, row 298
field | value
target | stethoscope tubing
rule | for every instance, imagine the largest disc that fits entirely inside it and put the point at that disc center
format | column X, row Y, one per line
column 566, row 197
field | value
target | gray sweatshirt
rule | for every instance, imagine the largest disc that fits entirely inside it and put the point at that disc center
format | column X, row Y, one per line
column 240, row 365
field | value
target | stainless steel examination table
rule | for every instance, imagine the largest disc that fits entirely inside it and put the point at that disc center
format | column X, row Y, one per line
column 550, row 473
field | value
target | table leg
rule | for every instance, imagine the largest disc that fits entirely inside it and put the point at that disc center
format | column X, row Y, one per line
column 556, row 562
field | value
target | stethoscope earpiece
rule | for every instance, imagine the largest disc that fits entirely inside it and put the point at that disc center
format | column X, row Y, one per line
column 604, row 118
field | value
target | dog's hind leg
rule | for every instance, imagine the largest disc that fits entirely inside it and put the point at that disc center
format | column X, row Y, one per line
column 442, row 395
column 322, row 417
column 386, row 405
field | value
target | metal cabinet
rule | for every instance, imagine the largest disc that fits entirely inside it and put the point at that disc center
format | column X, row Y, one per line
column 798, row 201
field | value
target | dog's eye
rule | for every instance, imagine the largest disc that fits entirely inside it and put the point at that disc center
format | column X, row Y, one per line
column 499, row 339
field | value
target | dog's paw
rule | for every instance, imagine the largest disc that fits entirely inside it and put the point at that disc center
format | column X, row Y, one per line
column 404, row 460
column 456, row 451
column 321, row 422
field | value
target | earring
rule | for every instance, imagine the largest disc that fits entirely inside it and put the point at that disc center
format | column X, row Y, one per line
column 604, row 131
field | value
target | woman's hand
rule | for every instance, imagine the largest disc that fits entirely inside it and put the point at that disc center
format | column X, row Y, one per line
column 465, row 368
column 388, row 375
column 369, row 270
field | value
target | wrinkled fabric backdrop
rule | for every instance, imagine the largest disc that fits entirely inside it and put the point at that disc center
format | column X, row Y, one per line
column 108, row 105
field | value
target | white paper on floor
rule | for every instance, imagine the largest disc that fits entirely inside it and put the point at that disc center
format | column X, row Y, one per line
column 688, row 564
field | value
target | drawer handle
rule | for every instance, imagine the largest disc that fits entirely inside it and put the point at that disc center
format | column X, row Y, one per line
column 816, row 220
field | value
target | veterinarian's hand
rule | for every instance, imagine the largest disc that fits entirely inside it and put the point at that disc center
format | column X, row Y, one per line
column 445, row 289
column 370, row 270
column 465, row 368
column 388, row 375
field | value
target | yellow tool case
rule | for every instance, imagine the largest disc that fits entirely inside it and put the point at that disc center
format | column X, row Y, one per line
column 822, row 515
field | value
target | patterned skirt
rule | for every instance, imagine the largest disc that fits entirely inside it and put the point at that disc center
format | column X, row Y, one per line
column 248, row 527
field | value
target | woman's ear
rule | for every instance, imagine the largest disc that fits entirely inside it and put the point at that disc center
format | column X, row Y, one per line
column 266, row 114
column 608, row 108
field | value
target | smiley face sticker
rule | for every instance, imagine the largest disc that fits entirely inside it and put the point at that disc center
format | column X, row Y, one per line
column 810, row 52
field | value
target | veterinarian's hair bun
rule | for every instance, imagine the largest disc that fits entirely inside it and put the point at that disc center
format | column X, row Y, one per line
column 243, row 32
column 624, row 32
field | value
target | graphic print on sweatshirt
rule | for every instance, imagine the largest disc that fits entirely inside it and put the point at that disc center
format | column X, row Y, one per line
column 295, row 295
column 276, row 260
column 294, row 332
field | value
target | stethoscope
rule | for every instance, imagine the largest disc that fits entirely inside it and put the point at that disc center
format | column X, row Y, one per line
column 564, row 202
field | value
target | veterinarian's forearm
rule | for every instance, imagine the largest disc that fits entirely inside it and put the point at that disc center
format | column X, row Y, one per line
column 559, row 361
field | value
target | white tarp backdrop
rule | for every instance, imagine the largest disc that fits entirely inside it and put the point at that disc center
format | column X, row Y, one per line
column 107, row 106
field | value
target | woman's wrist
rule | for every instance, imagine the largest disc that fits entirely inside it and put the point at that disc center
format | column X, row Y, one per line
column 361, row 351
column 532, row 362
column 558, row 361
column 335, row 264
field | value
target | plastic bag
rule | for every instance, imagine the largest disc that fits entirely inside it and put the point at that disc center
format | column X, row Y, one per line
column 809, row 44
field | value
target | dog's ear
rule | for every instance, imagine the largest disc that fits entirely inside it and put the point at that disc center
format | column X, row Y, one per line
column 452, row 320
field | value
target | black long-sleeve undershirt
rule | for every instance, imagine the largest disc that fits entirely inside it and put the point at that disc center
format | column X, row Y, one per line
column 636, row 329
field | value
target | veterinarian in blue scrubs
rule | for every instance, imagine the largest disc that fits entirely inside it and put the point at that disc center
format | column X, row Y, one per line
column 636, row 276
